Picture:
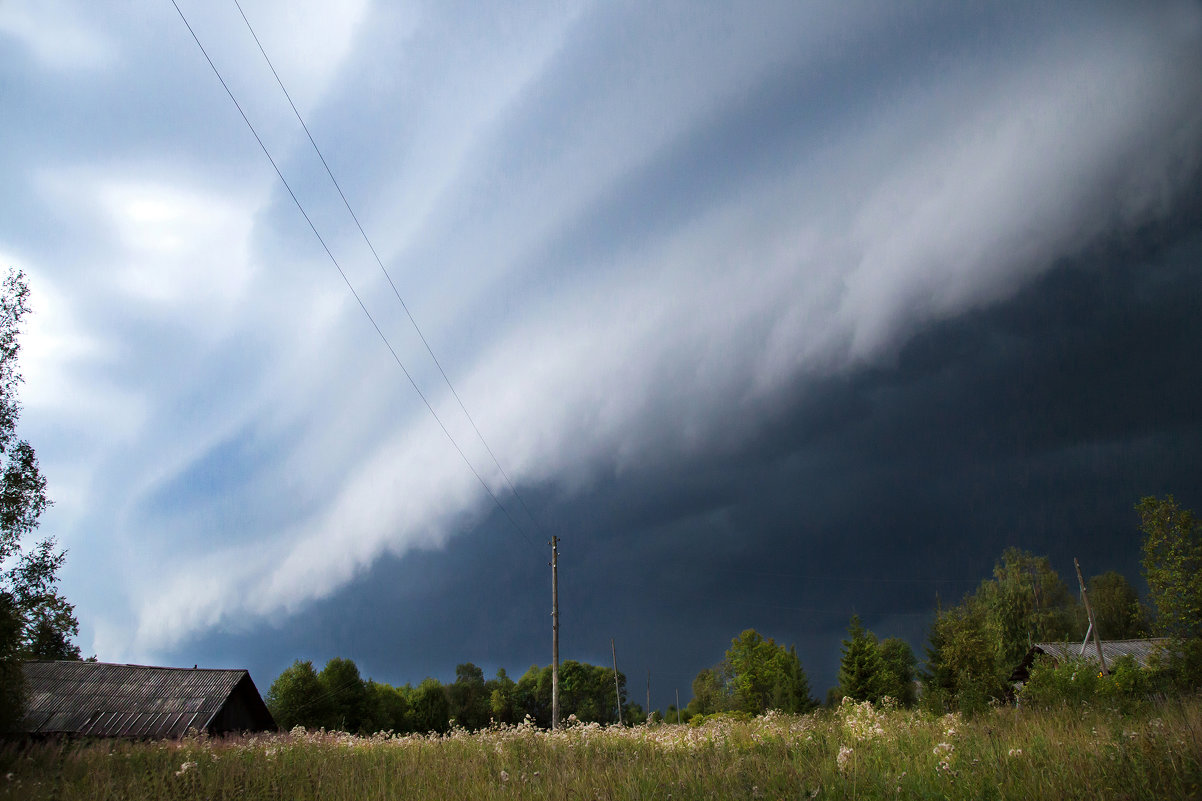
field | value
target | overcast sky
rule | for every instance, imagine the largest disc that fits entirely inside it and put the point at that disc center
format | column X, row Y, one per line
column 772, row 312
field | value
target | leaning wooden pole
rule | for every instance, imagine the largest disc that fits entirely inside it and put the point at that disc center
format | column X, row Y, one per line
column 554, row 632
column 617, row 687
column 1089, row 613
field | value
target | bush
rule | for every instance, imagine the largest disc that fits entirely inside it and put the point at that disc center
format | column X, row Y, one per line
column 737, row 715
column 1128, row 685
column 1080, row 682
column 1179, row 667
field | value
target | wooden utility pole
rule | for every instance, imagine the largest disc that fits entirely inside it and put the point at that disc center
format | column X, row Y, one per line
column 1089, row 613
column 554, row 632
column 678, row 705
column 617, row 687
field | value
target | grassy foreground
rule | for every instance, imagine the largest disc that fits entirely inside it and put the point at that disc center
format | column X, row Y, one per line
column 855, row 752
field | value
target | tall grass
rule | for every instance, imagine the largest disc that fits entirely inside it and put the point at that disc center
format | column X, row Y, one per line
column 857, row 751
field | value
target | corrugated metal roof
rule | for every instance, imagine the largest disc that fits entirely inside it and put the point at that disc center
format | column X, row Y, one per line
column 1140, row 650
column 107, row 700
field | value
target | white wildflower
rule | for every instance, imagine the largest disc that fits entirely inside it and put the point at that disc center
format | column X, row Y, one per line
column 845, row 754
column 861, row 721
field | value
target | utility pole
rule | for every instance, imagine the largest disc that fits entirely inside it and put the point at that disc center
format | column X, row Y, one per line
column 554, row 632
column 678, row 705
column 617, row 687
column 1089, row 613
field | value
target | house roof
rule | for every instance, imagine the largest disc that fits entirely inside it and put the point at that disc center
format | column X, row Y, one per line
column 108, row 700
column 1139, row 650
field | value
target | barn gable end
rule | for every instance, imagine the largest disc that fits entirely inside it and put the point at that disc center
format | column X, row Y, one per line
column 98, row 699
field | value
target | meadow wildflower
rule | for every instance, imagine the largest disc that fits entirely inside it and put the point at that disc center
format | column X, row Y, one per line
column 829, row 748
column 844, row 756
column 861, row 721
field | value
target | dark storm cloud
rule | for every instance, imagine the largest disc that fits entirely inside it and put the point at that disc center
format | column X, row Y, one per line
column 725, row 290
column 1036, row 423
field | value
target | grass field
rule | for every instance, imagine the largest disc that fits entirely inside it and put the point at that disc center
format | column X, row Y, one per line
column 855, row 752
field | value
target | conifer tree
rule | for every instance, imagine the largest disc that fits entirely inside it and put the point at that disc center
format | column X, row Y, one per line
column 861, row 670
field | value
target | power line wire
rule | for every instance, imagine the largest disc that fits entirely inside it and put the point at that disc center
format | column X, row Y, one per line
column 384, row 270
column 346, row 279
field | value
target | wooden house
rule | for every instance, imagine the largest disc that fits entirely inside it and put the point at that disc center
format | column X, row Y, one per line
column 96, row 699
column 1141, row 651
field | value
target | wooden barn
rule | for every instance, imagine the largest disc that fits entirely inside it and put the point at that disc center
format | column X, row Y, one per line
column 95, row 699
column 1139, row 650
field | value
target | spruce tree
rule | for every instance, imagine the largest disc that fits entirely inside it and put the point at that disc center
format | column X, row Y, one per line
column 861, row 671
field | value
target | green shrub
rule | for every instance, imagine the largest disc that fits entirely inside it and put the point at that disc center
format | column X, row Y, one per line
column 733, row 716
column 1179, row 666
column 1080, row 682
column 1129, row 685
column 1071, row 682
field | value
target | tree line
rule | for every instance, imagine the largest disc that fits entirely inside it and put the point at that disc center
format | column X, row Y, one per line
column 972, row 648
column 338, row 697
